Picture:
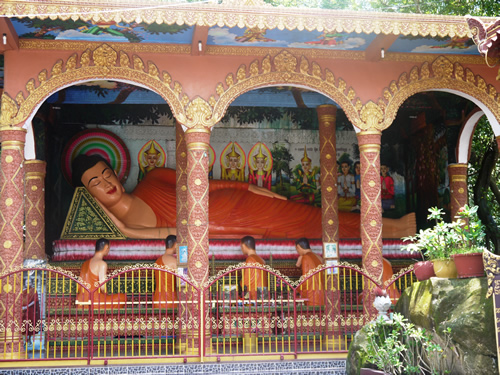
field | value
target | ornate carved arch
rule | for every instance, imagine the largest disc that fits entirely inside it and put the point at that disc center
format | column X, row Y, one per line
column 441, row 74
column 285, row 69
column 101, row 63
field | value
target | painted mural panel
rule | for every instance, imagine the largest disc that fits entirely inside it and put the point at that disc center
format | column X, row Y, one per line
column 262, row 37
column 438, row 45
column 110, row 31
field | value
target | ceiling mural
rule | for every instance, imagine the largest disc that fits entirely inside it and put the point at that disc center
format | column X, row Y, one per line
column 102, row 31
column 262, row 37
column 133, row 32
column 438, row 45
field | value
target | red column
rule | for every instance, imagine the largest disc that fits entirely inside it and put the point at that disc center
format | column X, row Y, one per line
column 498, row 142
column 11, row 239
column 458, row 187
column 371, row 211
column 181, row 185
column 327, row 116
column 34, row 188
column 197, row 141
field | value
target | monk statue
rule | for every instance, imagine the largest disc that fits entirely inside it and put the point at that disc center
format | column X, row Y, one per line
column 236, row 208
column 252, row 278
column 93, row 272
column 166, row 288
column 312, row 290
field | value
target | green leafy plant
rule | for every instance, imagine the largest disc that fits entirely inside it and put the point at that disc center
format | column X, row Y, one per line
column 471, row 231
column 464, row 235
column 399, row 347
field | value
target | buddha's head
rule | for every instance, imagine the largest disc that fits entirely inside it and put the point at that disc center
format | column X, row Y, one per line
column 98, row 177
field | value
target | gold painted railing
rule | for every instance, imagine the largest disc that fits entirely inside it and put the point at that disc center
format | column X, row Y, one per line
column 152, row 312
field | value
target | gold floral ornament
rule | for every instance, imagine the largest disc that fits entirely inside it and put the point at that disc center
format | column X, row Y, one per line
column 441, row 73
column 103, row 60
column 287, row 69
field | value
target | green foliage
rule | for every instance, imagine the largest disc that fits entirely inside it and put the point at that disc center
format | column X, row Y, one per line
column 281, row 162
column 399, row 347
column 443, row 7
column 464, row 235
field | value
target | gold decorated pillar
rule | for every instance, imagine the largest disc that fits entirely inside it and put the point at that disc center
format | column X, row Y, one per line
column 458, row 187
column 327, row 115
column 181, row 185
column 34, row 190
column 11, row 239
column 197, row 141
column 371, row 210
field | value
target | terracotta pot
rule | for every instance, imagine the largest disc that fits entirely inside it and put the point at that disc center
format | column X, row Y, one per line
column 469, row 265
column 424, row 270
column 445, row 268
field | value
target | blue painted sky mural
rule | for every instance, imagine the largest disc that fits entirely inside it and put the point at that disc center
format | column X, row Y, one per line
column 257, row 37
column 418, row 44
column 102, row 31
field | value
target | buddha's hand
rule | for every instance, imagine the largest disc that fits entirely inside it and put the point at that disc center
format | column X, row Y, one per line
column 265, row 192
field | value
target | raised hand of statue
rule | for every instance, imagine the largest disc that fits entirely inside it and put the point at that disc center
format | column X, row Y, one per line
column 266, row 193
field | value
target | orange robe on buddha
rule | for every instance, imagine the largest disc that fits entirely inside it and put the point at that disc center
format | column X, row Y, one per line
column 313, row 288
column 254, row 278
column 101, row 299
column 166, row 291
column 236, row 212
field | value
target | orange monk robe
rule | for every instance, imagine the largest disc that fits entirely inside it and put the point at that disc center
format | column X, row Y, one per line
column 166, row 289
column 313, row 288
column 236, row 212
column 101, row 299
column 254, row 278
column 393, row 292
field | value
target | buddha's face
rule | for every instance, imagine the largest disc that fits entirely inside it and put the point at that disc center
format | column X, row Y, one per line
column 152, row 159
column 234, row 162
column 306, row 166
column 260, row 163
column 103, row 184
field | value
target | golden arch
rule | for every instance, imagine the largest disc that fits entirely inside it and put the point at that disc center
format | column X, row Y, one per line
column 442, row 74
column 101, row 63
column 285, row 69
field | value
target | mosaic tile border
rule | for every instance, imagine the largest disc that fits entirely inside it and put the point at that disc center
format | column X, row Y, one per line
column 316, row 367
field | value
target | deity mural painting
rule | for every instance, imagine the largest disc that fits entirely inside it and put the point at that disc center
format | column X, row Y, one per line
column 236, row 208
column 260, row 166
column 306, row 180
column 346, row 187
column 211, row 161
column 150, row 156
column 387, row 186
column 232, row 163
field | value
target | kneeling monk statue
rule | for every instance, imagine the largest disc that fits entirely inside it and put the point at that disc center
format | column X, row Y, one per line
column 236, row 208
column 93, row 272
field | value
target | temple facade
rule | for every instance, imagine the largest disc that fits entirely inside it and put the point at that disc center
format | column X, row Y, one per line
column 200, row 76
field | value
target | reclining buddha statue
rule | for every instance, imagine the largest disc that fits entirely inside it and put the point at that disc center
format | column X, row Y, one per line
column 236, row 209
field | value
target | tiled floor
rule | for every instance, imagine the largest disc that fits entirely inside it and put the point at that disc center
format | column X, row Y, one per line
column 318, row 367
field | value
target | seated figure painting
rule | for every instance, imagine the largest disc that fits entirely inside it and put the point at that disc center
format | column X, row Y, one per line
column 236, row 208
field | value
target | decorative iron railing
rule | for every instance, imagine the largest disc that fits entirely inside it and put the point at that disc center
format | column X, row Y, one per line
column 148, row 311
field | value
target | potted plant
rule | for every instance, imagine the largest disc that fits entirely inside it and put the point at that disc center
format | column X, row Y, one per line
column 436, row 244
column 468, row 255
column 399, row 347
